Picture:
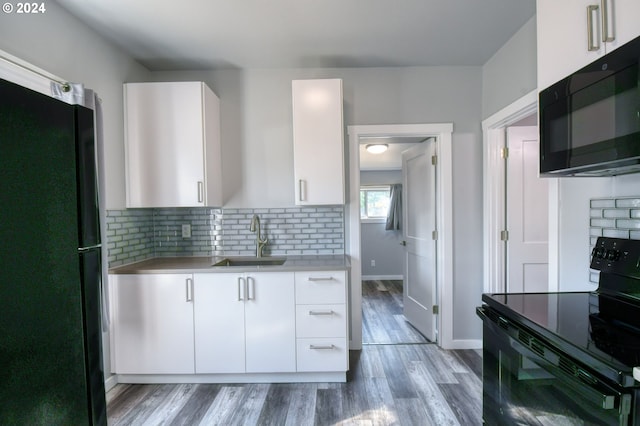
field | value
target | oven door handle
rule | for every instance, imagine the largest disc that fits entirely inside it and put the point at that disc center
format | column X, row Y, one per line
column 591, row 388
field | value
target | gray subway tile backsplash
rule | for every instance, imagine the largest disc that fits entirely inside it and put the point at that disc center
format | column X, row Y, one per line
column 614, row 217
column 137, row 234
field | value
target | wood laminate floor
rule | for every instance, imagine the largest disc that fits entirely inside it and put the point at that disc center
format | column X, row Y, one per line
column 388, row 385
column 382, row 319
column 399, row 378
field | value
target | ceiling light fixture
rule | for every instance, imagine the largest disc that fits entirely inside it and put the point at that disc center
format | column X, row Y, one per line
column 376, row 148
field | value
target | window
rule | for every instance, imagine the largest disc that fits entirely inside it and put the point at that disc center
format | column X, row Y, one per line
column 374, row 202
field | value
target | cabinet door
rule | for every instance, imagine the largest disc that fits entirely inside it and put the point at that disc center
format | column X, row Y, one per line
column 562, row 36
column 153, row 323
column 624, row 16
column 318, row 135
column 219, row 323
column 270, row 323
column 164, row 144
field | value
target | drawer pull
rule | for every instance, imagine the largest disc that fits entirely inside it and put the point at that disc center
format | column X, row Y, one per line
column 320, row 279
column 321, row 312
column 322, row 347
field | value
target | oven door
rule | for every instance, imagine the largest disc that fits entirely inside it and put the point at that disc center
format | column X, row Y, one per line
column 527, row 381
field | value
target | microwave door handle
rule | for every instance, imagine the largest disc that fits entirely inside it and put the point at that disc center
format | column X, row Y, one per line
column 593, row 43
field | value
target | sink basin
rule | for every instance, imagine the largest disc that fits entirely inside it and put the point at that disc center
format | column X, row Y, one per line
column 250, row 261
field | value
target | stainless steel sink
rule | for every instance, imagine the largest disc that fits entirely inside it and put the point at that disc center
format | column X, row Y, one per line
column 250, row 261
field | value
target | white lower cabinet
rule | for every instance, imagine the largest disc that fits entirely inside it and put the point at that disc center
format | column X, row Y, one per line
column 219, row 323
column 245, row 323
column 152, row 323
column 270, row 323
column 321, row 321
column 226, row 326
column 322, row 354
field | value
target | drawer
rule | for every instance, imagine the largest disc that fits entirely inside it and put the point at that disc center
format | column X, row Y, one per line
column 324, row 287
column 322, row 354
column 321, row 321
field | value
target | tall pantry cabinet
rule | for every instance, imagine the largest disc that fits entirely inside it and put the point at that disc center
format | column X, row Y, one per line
column 172, row 145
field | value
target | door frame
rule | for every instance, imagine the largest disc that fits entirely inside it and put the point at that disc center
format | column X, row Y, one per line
column 494, row 139
column 444, row 245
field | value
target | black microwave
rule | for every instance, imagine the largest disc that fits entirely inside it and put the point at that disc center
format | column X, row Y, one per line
column 590, row 121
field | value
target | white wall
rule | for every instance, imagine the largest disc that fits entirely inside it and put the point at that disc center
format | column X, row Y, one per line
column 257, row 143
column 60, row 44
column 511, row 71
column 377, row 243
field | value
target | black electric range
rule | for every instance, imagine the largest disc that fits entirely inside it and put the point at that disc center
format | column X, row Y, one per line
column 580, row 347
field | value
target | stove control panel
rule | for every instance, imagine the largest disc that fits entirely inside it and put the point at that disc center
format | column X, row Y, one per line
column 617, row 256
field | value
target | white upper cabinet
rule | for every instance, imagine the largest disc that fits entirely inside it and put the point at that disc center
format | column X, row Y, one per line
column 626, row 22
column 574, row 33
column 172, row 145
column 318, row 141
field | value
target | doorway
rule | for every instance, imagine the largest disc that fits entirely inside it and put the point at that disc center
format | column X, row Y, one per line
column 496, row 215
column 441, row 133
column 391, row 314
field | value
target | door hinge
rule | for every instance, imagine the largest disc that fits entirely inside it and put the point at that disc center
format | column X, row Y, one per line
column 504, row 152
column 436, row 309
column 434, row 235
column 434, row 160
column 504, row 235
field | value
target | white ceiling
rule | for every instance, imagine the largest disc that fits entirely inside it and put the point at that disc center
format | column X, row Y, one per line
column 391, row 159
column 206, row 34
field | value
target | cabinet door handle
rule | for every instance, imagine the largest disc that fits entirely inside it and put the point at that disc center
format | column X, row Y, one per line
column 592, row 44
column 322, row 347
column 200, row 191
column 189, row 283
column 313, row 279
column 251, row 288
column 606, row 37
column 321, row 312
column 301, row 190
column 241, row 286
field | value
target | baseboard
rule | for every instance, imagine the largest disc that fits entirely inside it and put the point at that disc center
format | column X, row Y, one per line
column 110, row 382
column 463, row 344
column 382, row 277
column 305, row 377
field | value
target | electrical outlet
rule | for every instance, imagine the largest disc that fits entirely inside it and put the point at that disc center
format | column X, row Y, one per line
column 373, row 263
column 186, row 231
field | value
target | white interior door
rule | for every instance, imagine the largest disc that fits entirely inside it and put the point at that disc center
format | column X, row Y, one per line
column 527, row 214
column 419, row 206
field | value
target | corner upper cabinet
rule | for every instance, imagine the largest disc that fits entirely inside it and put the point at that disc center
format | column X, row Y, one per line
column 172, row 145
column 318, row 141
column 574, row 33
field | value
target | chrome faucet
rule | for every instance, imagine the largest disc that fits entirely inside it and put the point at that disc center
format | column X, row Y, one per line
column 260, row 242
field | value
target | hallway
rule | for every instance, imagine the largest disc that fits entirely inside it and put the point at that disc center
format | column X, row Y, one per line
column 382, row 318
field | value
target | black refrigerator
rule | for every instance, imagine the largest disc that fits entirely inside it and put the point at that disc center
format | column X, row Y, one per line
column 51, row 368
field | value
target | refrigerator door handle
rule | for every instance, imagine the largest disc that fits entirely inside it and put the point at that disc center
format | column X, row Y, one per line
column 85, row 249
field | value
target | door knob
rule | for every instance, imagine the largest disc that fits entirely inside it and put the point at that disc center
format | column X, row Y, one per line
column 403, row 243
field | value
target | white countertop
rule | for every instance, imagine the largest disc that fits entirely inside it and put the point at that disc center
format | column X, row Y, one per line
column 178, row 265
